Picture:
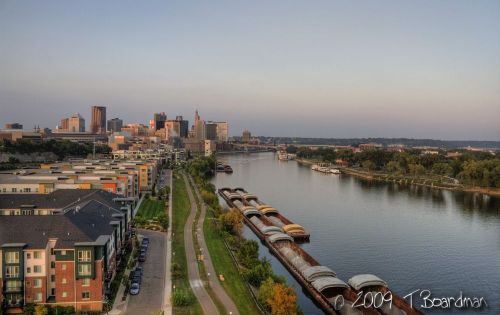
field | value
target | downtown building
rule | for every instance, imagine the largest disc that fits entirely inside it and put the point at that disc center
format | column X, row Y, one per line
column 98, row 121
column 61, row 250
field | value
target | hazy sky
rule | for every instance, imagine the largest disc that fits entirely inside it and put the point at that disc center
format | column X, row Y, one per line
column 299, row 68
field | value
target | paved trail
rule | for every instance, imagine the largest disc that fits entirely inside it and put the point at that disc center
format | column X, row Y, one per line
column 195, row 281
column 209, row 267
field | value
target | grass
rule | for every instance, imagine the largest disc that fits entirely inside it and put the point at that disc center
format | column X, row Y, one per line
column 181, row 209
column 151, row 208
column 233, row 283
column 201, row 265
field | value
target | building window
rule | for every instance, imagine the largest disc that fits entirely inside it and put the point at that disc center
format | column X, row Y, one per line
column 14, row 190
column 84, row 270
column 28, row 270
column 52, row 251
column 64, row 294
column 37, row 269
column 13, row 285
column 52, row 264
column 38, row 297
column 27, row 189
column 53, row 278
column 63, row 252
column 85, row 295
column 84, row 255
column 64, row 281
column 28, row 255
column 85, row 282
column 4, row 189
column 63, row 266
column 11, row 271
column 37, row 283
column 12, row 257
column 37, row 255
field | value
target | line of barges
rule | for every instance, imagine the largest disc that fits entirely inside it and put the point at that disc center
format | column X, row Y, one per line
column 332, row 294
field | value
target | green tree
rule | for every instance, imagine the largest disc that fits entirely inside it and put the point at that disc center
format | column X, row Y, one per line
column 369, row 165
column 416, row 169
column 443, row 169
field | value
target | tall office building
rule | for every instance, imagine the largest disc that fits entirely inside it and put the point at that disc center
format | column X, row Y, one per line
column 222, row 131
column 64, row 124
column 183, row 126
column 199, row 127
column 173, row 129
column 76, row 123
column 115, row 125
column 210, row 131
column 98, row 122
column 159, row 120
column 246, row 136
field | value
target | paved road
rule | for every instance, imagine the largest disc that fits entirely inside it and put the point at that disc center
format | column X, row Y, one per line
column 167, row 301
column 150, row 299
column 212, row 277
column 195, row 281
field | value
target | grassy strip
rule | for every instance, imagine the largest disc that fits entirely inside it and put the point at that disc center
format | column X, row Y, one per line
column 201, row 265
column 151, row 208
column 181, row 209
column 234, row 284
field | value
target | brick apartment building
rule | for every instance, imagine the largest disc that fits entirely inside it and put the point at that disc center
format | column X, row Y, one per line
column 66, row 257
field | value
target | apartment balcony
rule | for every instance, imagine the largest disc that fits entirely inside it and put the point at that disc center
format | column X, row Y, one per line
column 13, row 289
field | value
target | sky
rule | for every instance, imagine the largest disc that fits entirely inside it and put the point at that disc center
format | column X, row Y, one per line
column 417, row 69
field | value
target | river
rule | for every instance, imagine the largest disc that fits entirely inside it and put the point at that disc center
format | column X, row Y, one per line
column 412, row 237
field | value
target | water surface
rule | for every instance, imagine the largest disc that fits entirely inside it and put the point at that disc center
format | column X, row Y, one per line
column 412, row 237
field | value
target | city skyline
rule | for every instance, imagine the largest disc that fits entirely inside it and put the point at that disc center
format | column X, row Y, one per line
column 385, row 69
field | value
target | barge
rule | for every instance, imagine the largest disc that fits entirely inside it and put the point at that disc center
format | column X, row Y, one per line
column 296, row 231
column 332, row 294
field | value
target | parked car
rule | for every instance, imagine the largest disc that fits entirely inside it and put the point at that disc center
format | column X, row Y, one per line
column 142, row 257
column 144, row 247
column 136, row 279
column 139, row 270
column 134, row 289
column 145, row 240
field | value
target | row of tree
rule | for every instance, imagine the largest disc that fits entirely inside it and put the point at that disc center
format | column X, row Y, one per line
column 61, row 148
column 471, row 168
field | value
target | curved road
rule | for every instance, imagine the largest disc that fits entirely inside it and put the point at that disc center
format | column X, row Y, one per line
column 212, row 275
column 195, row 281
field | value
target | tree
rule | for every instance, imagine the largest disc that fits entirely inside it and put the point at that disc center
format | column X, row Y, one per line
column 443, row 169
column 393, row 167
column 265, row 292
column 416, row 169
column 369, row 165
column 232, row 221
column 41, row 310
column 283, row 300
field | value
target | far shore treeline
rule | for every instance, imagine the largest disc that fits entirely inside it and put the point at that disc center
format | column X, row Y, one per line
column 470, row 168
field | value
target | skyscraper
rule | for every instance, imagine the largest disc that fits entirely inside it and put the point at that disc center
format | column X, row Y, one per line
column 184, row 126
column 115, row 125
column 76, row 123
column 210, row 131
column 199, row 127
column 222, row 131
column 98, row 122
column 159, row 120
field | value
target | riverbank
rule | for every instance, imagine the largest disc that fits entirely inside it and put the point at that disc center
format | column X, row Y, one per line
column 424, row 181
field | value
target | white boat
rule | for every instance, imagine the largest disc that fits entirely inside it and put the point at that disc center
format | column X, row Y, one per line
column 283, row 156
column 334, row 171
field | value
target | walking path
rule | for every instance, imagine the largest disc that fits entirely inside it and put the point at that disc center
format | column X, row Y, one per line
column 167, row 301
column 195, row 281
column 212, row 275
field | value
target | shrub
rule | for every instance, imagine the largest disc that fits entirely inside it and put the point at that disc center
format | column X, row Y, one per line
column 182, row 297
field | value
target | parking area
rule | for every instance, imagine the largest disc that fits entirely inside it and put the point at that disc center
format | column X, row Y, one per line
column 150, row 298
